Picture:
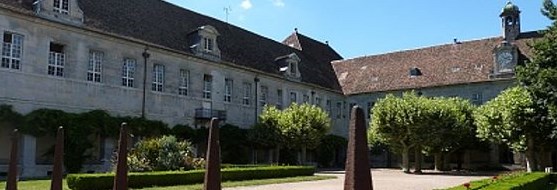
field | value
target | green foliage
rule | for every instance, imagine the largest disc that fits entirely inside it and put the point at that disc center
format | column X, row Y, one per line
column 160, row 154
column 303, row 125
column 330, row 144
column 150, row 179
column 183, row 132
column 266, row 133
column 8, row 115
column 234, row 144
column 508, row 119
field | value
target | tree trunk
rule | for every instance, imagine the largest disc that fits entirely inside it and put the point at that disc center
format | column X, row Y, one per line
column 405, row 160
column 418, row 160
column 447, row 161
column 467, row 159
column 270, row 156
column 277, row 155
column 531, row 163
column 438, row 161
column 303, row 156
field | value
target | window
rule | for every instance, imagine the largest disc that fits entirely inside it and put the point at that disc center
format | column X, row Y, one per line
column 318, row 101
column 369, row 107
column 61, row 6
column 293, row 69
column 339, row 110
column 328, row 106
column 184, row 82
column 94, row 69
column 56, row 60
column 293, row 98
column 12, row 50
column 279, row 98
column 264, row 94
column 128, row 72
column 158, row 78
column 306, row 98
column 208, row 44
column 228, row 85
column 207, row 86
column 247, row 93
column 477, row 98
column 414, row 72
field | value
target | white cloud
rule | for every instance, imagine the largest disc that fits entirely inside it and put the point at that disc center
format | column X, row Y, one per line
column 278, row 3
column 246, row 4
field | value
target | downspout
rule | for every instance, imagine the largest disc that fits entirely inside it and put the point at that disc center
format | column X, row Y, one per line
column 146, row 56
column 256, row 103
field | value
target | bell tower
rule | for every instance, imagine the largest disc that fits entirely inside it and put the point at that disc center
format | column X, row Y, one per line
column 510, row 18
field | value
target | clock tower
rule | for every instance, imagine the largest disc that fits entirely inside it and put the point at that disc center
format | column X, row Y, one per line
column 510, row 18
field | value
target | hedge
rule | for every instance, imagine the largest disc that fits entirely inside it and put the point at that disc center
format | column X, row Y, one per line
column 517, row 181
column 149, row 179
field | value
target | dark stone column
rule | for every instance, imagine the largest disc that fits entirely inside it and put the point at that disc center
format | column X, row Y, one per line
column 358, row 174
column 11, row 184
column 58, row 168
column 212, row 173
column 121, row 177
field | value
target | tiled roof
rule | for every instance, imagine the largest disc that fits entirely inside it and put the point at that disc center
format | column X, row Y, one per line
column 165, row 24
column 450, row 64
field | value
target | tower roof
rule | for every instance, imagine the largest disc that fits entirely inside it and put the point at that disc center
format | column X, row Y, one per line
column 510, row 8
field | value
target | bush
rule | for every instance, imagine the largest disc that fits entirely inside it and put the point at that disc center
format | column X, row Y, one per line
column 328, row 148
column 160, row 154
column 141, row 180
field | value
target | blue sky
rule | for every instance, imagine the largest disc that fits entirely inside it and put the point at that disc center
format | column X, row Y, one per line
column 366, row 27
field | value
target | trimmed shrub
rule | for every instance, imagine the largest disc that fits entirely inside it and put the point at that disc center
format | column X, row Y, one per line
column 141, row 180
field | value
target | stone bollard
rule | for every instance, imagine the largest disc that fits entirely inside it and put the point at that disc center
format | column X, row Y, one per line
column 121, row 176
column 58, row 168
column 11, row 183
column 549, row 170
column 357, row 174
column 212, row 170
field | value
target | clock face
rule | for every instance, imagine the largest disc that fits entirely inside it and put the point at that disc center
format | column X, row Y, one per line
column 504, row 59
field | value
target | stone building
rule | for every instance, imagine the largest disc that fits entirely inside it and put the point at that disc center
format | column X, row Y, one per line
column 151, row 58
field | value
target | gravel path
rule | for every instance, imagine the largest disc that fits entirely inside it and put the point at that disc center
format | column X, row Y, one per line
column 388, row 179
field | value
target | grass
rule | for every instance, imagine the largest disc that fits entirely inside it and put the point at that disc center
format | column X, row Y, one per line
column 45, row 184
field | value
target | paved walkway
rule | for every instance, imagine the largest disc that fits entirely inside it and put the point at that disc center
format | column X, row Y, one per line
column 388, row 179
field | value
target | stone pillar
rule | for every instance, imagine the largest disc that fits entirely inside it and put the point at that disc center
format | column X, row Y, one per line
column 11, row 183
column 28, row 162
column 121, row 176
column 357, row 174
column 58, row 168
column 212, row 174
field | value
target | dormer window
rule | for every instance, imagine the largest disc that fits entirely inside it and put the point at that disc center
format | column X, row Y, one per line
column 293, row 68
column 208, row 44
column 288, row 65
column 62, row 6
column 415, row 72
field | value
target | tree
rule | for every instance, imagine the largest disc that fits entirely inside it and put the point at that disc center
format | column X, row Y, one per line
column 266, row 134
column 539, row 78
column 400, row 123
column 303, row 126
column 510, row 118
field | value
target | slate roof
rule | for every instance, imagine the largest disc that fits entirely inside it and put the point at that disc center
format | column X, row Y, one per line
column 165, row 24
column 450, row 64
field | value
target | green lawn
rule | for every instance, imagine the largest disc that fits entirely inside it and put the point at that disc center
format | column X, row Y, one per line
column 45, row 184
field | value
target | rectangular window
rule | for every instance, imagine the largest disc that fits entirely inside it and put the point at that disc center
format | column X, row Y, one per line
column 158, row 78
column 56, row 60
column 12, row 50
column 328, row 106
column 477, row 98
column 208, row 44
column 62, row 6
column 263, row 96
column 339, row 110
column 128, row 72
column 318, row 101
column 94, row 68
column 184, row 82
column 293, row 97
column 247, row 93
column 279, row 99
column 207, row 86
column 228, row 85
column 369, row 107
column 306, row 98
